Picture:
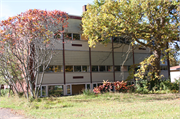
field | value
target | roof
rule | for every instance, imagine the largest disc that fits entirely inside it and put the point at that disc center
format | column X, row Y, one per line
column 175, row 68
column 75, row 17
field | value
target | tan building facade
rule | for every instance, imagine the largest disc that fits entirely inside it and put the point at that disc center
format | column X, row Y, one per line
column 76, row 66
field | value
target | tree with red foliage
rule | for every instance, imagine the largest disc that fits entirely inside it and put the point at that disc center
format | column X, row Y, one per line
column 27, row 42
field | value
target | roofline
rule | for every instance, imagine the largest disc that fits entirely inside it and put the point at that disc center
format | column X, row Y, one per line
column 75, row 17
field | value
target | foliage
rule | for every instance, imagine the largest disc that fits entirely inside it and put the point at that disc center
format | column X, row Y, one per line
column 108, row 87
column 88, row 92
column 142, row 86
column 167, row 85
column 152, row 24
column 27, row 42
column 145, row 86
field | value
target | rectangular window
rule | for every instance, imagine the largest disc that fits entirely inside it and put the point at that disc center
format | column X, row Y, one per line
column 68, row 89
column 94, row 68
column 88, row 86
column 57, row 69
column 57, row 35
column 164, row 68
column 43, row 91
column 109, row 68
column 84, row 68
column 102, row 68
column 94, row 85
column 100, row 84
column 41, row 69
column 138, row 67
column 124, row 68
column 50, row 69
column 77, row 68
column 69, row 68
column 76, row 36
column 68, row 36
column 117, row 68
column 55, row 90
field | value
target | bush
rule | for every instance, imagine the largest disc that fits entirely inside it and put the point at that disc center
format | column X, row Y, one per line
column 156, row 86
column 5, row 92
column 108, row 87
column 88, row 92
column 142, row 86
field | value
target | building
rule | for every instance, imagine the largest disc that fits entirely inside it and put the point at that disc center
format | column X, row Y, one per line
column 175, row 73
column 69, row 71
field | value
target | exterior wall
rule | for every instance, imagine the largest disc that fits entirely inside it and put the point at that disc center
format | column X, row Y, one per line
column 100, row 76
column 174, row 75
column 52, row 78
column 74, row 26
column 70, row 79
column 121, row 76
column 164, row 73
column 77, row 54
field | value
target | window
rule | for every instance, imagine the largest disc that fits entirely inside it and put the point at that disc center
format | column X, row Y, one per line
column 138, row 67
column 50, row 69
column 57, row 69
column 55, row 90
column 84, row 69
column 164, row 68
column 94, row 85
column 102, row 68
column 88, row 86
column 72, row 36
column 124, row 68
column 68, row 36
column 41, row 69
column 117, row 68
column 109, row 68
column 94, row 68
column 77, row 68
column 76, row 36
column 68, row 89
column 43, row 91
column 100, row 84
column 122, row 39
column 57, row 35
column 69, row 69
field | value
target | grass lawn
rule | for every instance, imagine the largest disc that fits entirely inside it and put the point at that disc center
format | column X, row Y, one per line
column 109, row 105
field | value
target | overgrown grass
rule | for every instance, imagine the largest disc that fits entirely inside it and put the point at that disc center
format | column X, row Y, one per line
column 108, row 105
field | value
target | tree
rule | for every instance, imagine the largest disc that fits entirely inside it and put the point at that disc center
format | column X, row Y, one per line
column 27, row 43
column 150, row 23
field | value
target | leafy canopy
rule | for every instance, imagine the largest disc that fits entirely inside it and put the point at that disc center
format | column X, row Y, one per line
column 150, row 23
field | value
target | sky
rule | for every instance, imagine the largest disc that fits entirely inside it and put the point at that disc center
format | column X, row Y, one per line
column 9, row 8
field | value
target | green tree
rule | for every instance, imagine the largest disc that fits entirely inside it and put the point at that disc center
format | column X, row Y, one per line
column 150, row 23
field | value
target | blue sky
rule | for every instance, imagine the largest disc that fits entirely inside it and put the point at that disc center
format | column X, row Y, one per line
column 13, row 7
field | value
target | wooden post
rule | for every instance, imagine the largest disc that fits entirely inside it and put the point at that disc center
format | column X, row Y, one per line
column 113, row 58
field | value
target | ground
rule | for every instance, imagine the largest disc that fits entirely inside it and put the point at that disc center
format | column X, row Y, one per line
column 108, row 105
column 9, row 114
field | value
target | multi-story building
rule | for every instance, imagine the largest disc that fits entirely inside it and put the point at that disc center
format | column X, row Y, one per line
column 76, row 66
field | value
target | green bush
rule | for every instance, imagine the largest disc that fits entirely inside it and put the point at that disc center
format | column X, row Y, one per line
column 142, row 86
column 88, row 92
column 4, row 92
column 156, row 86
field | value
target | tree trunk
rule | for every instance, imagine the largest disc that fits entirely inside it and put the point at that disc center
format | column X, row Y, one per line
column 156, row 66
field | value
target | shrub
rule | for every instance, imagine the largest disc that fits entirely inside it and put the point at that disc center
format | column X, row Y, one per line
column 108, row 87
column 142, row 86
column 88, row 92
column 122, row 86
